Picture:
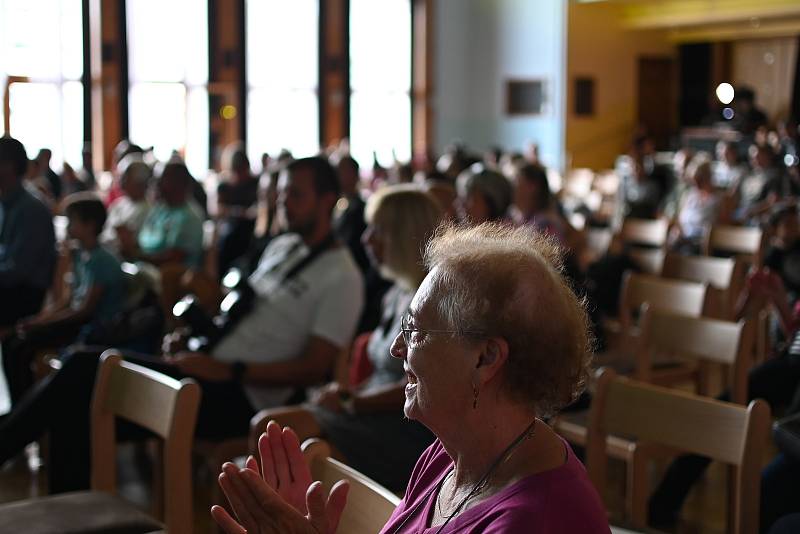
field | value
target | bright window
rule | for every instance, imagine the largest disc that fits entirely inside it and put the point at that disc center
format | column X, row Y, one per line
column 380, row 80
column 168, row 72
column 282, row 74
column 41, row 64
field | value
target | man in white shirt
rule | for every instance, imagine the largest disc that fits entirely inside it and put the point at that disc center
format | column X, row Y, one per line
column 304, row 315
column 299, row 324
column 126, row 214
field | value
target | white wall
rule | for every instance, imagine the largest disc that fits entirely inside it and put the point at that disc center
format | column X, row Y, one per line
column 480, row 44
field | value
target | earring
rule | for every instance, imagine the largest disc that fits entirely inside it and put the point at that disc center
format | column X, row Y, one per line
column 475, row 393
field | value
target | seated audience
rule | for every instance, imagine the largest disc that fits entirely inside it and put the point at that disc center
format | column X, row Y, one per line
column 86, row 172
column 757, row 191
column 70, row 181
column 783, row 255
column 698, row 210
column 172, row 232
column 128, row 212
column 97, row 293
column 748, row 117
column 681, row 162
column 267, row 224
column 27, row 239
column 443, row 191
column 349, row 226
column 534, row 204
column 360, row 421
column 308, row 296
column 50, row 176
column 728, row 170
column 237, row 197
column 484, row 195
column 111, row 183
column 348, row 216
column 493, row 340
column 644, row 184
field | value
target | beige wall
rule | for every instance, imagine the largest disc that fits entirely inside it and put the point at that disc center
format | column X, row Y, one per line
column 599, row 47
column 767, row 65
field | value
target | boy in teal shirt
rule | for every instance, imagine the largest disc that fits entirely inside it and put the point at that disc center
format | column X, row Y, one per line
column 97, row 294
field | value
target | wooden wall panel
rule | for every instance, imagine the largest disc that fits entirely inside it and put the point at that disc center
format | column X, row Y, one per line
column 422, row 141
column 334, row 71
column 109, row 80
column 227, row 83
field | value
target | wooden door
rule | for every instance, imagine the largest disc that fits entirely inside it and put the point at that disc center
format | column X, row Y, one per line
column 656, row 95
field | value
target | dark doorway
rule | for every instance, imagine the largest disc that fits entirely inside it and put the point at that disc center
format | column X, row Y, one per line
column 695, row 82
column 656, row 92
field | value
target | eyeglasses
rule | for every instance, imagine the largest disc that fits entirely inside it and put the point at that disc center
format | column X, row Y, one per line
column 406, row 330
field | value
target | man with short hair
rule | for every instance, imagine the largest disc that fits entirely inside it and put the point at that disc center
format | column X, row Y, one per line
column 308, row 297
column 27, row 239
column 128, row 213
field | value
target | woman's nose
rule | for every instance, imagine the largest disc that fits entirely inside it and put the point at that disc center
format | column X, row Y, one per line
column 398, row 348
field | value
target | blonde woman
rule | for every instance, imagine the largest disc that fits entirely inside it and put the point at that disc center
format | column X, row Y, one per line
column 358, row 423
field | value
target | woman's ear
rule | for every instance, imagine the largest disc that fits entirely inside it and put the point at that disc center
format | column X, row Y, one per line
column 492, row 357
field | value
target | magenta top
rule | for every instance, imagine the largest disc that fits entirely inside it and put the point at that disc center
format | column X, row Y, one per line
column 559, row 500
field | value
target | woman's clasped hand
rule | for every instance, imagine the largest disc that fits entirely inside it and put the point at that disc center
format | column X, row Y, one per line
column 278, row 496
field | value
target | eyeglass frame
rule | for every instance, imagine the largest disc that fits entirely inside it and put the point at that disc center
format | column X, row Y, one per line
column 406, row 332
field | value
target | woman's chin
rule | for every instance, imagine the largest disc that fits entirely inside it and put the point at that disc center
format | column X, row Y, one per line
column 410, row 408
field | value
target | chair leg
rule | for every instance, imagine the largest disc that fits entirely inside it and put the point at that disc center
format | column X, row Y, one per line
column 636, row 500
column 156, row 449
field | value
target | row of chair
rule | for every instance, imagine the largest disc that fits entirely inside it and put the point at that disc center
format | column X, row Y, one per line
column 727, row 432
column 662, row 417
column 675, row 321
column 168, row 408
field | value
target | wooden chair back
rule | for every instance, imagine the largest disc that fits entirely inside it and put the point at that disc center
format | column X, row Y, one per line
column 699, row 338
column 744, row 242
column 647, row 232
column 650, row 261
column 163, row 405
column 724, row 276
column 687, row 298
column 725, row 432
column 369, row 505
column 597, row 241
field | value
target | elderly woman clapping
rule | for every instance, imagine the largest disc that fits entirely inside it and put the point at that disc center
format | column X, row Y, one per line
column 493, row 340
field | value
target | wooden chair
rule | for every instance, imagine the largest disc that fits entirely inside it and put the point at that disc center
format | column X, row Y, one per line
column 369, row 505
column 597, row 242
column 645, row 232
column 152, row 400
column 724, row 276
column 656, row 416
column 745, row 243
column 696, row 342
column 687, row 298
column 650, row 261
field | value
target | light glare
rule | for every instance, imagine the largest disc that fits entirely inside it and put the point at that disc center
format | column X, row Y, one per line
column 725, row 93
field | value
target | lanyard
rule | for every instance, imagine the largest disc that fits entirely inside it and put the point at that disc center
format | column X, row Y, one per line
column 316, row 251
